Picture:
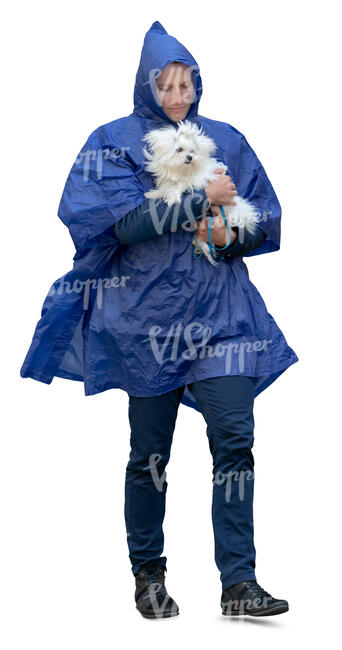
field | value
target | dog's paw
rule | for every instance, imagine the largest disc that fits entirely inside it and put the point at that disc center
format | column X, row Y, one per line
column 201, row 246
column 152, row 194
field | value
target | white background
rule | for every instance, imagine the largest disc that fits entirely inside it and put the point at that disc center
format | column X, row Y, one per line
column 271, row 70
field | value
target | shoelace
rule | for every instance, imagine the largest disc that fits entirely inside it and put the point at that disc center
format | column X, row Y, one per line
column 257, row 591
column 154, row 589
column 155, row 575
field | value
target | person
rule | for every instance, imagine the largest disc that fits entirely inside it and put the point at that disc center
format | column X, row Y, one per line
column 175, row 329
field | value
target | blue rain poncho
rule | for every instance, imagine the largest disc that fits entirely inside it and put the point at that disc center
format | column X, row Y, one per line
column 148, row 317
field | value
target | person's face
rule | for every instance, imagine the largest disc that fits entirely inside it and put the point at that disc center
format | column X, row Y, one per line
column 175, row 90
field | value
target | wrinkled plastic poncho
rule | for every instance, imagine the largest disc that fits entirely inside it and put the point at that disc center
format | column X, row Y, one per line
column 149, row 317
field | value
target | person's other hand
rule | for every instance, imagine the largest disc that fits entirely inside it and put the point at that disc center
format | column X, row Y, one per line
column 216, row 209
column 219, row 232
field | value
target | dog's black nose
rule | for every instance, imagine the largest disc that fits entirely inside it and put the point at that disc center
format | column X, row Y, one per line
column 188, row 157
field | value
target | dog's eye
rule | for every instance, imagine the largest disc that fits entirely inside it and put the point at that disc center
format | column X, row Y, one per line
column 179, row 150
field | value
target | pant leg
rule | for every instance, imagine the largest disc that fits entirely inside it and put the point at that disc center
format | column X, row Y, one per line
column 227, row 406
column 152, row 421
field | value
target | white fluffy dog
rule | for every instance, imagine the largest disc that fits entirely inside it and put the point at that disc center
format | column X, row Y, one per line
column 181, row 160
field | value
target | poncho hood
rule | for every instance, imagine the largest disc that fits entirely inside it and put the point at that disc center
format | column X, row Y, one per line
column 159, row 49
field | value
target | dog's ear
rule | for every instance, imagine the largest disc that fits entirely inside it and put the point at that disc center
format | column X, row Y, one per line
column 151, row 139
column 207, row 144
column 192, row 129
column 159, row 139
column 147, row 154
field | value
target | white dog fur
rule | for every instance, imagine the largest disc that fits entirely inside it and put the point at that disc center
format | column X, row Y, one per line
column 181, row 160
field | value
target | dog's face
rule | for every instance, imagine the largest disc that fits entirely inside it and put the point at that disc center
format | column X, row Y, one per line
column 184, row 150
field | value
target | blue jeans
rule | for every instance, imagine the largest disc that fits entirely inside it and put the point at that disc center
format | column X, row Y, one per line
column 227, row 406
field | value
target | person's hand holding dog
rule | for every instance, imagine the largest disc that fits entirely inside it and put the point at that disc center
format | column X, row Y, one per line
column 219, row 192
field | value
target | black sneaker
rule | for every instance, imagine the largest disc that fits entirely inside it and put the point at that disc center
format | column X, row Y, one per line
column 151, row 597
column 249, row 598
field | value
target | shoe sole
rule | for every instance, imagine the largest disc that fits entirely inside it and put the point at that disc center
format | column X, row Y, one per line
column 272, row 611
column 163, row 615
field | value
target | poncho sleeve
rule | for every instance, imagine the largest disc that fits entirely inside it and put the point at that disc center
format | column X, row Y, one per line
column 102, row 186
column 154, row 217
column 253, row 184
column 242, row 244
